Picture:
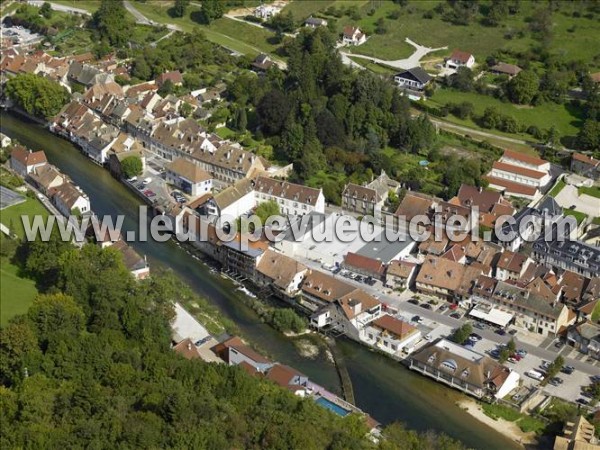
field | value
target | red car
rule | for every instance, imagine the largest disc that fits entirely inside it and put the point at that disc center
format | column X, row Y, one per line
column 453, row 306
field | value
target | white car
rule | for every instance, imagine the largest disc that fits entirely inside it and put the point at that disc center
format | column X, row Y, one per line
column 535, row 375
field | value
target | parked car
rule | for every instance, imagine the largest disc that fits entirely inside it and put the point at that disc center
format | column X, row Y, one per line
column 568, row 370
column 132, row 179
column 582, row 401
column 522, row 353
column 417, row 319
column 512, row 360
column 414, row 301
column 545, row 364
column 500, row 331
column 425, row 306
column 453, row 306
column 559, row 344
column 475, row 337
column 455, row 315
column 147, row 180
column 512, row 332
column 495, row 353
column 517, row 397
column 443, row 308
column 479, row 325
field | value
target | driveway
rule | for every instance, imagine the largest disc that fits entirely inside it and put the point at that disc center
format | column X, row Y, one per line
column 586, row 204
column 407, row 63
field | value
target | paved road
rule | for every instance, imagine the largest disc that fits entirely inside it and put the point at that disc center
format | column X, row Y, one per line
column 143, row 20
column 63, row 8
column 406, row 63
column 409, row 309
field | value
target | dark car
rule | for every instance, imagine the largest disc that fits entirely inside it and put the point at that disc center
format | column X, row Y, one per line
column 568, row 370
column 425, row 306
column 416, row 319
column 475, row 337
column 583, row 401
column 455, row 315
column 512, row 332
column 414, row 301
column 500, row 331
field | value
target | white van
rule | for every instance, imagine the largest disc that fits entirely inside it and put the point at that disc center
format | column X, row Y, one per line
column 535, row 375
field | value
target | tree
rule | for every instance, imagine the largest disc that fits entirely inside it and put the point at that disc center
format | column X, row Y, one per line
column 504, row 355
column 462, row 79
column 491, row 118
column 282, row 23
column 46, row 10
column 462, row 333
column 381, row 26
column 56, row 313
column 554, row 368
column 463, row 110
column 211, row 10
column 266, row 210
column 553, row 138
column 113, row 22
column 179, row 8
column 273, row 110
column 511, row 346
column 185, row 109
column 132, row 166
column 37, row 95
column 589, row 135
column 523, row 88
column 167, row 88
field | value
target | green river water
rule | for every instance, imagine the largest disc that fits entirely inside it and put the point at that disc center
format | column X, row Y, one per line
column 382, row 387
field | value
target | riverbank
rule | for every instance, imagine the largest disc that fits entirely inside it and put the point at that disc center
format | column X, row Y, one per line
column 509, row 429
column 382, row 387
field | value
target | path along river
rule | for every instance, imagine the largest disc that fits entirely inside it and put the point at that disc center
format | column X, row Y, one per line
column 382, row 387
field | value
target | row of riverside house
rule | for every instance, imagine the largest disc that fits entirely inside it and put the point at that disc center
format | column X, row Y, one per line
column 538, row 292
column 69, row 200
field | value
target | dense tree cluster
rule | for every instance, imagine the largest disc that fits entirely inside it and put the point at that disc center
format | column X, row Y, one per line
column 189, row 53
column 324, row 117
column 90, row 365
column 113, row 23
column 37, row 95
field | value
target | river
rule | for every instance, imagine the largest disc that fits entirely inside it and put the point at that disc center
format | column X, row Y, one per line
column 382, row 387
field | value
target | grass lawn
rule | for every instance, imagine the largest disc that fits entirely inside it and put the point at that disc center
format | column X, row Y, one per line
column 301, row 10
column 89, row 5
column 557, row 188
column 593, row 191
column 16, row 294
column 564, row 117
column 526, row 423
column 234, row 35
column 225, row 132
column 374, row 67
column 11, row 216
column 579, row 216
column 596, row 312
column 572, row 37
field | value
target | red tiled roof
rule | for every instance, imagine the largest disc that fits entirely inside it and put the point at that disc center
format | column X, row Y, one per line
column 395, row 326
column 458, row 55
column 586, row 159
column 28, row 158
column 511, row 186
column 518, row 170
column 364, row 263
column 524, row 158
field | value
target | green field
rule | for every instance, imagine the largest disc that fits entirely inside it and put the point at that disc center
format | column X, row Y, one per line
column 234, row 35
column 11, row 216
column 593, row 191
column 89, row 5
column 305, row 8
column 571, row 37
column 16, row 293
column 557, row 188
column 579, row 216
column 564, row 117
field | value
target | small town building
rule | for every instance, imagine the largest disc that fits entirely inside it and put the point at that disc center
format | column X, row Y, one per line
column 353, row 36
column 585, row 337
column 505, row 69
column 70, row 200
column 414, row 79
column 46, row 177
column 585, row 165
column 400, row 274
column 466, row 370
column 282, row 274
column 188, row 177
column 25, row 161
column 234, row 351
column 315, row 22
column 391, row 335
column 262, row 63
column 460, row 59
column 439, row 277
column 511, row 265
column 578, row 435
column 174, row 77
column 363, row 265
